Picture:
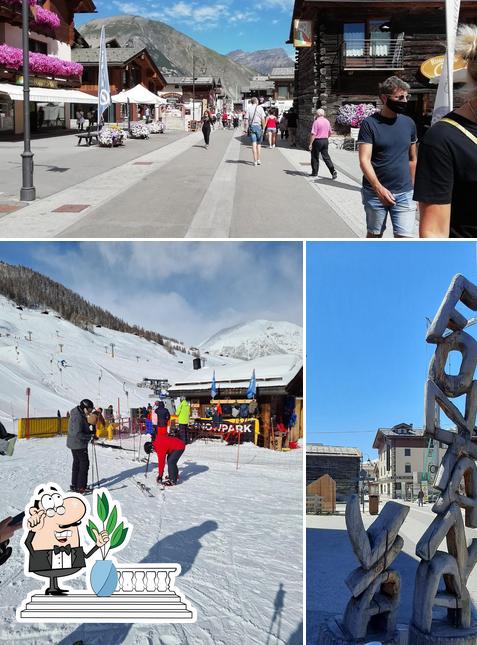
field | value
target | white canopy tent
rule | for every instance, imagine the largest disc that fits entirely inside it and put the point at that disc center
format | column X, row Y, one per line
column 138, row 94
column 47, row 95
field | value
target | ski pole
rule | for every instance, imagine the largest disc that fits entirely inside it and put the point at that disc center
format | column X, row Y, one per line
column 96, row 464
column 147, row 463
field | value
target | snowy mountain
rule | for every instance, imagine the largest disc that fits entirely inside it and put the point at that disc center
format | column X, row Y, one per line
column 62, row 363
column 255, row 339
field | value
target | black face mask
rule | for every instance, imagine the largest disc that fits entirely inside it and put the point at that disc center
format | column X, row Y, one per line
column 400, row 107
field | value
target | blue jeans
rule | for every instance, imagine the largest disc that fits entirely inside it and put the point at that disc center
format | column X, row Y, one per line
column 256, row 134
column 402, row 213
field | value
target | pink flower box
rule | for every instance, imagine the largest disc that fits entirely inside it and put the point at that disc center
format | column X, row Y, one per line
column 41, row 17
column 12, row 58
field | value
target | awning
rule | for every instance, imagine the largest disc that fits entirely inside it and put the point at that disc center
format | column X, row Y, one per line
column 138, row 94
column 46, row 95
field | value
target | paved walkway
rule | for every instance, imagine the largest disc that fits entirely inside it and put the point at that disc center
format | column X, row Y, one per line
column 170, row 186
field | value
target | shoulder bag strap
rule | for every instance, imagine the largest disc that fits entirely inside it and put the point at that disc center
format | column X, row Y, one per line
column 460, row 127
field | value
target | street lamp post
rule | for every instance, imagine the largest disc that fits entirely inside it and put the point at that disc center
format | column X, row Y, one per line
column 27, row 192
column 193, row 88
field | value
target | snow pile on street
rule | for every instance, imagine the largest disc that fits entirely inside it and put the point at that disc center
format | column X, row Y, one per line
column 255, row 339
column 63, row 364
column 236, row 533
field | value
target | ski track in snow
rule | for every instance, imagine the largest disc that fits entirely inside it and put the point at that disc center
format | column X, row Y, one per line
column 236, row 533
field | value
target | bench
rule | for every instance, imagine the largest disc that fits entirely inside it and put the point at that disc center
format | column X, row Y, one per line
column 88, row 136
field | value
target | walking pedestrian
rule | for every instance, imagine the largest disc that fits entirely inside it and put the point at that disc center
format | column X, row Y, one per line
column 172, row 448
column 319, row 141
column 206, row 127
column 292, row 123
column 183, row 416
column 271, row 128
column 387, row 157
column 283, row 126
column 420, row 497
column 446, row 174
column 79, row 436
column 254, row 123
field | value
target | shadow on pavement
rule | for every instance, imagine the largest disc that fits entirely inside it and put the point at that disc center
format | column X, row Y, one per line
column 340, row 184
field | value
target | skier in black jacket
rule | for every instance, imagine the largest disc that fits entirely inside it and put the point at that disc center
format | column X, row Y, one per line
column 163, row 417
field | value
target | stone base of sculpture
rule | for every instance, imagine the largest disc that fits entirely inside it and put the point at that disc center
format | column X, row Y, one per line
column 333, row 633
column 443, row 634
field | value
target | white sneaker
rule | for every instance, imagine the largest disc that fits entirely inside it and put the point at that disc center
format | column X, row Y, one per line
column 255, row 163
column 273, row 146
column 259, row 163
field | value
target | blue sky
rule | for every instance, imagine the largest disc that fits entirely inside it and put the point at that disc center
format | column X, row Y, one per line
column 222, row 25
column 185, row 290
column 367, row 358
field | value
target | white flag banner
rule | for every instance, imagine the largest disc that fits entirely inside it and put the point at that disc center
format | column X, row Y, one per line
column 444, row 98
column 104, row 94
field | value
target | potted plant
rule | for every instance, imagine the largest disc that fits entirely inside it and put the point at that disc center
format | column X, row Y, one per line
column 103, row 575
column 353, row 114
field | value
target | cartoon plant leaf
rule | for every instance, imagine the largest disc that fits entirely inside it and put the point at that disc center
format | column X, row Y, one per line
column 123, row 537
column 116, row 536
column 112, row 520
column 106, row 503
column 89, row 527
column 102, row 512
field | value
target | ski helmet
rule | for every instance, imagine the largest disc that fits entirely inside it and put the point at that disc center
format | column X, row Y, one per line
column 87, row 404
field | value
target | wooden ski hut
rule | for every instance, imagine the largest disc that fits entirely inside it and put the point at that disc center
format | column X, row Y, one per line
column 278, row 398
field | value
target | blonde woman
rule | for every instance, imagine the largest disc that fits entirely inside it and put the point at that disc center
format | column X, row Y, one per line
column 446, row 175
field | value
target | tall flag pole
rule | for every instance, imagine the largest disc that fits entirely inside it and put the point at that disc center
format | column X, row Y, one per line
column 213, row 387
column 104, row 94
column 252, row 387
column 444, row 102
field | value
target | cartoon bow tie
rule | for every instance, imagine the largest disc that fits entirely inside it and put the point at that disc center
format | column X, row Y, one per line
column 66, row 549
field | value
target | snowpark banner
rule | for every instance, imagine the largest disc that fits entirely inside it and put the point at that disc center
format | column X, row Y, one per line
column 104, row 94
column 248, row 428
column 445, row 90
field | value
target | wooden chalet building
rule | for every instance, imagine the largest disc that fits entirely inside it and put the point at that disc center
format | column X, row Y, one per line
column 54, row 78
column 127, row 66
column 341, row 463
column 279, row 382
column 208, row 90
column 356, row 44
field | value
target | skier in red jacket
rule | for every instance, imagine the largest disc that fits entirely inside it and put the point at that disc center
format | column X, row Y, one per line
column 172, row 448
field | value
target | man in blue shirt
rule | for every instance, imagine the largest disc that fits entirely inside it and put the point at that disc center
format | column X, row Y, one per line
column 387, row 157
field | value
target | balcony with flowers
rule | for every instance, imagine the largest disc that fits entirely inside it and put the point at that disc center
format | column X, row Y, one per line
column 11, row 62
column 42, row 20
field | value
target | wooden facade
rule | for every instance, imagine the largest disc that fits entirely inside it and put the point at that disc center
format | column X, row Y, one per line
column 342, row 464
column 126, row 68
column 395, row 38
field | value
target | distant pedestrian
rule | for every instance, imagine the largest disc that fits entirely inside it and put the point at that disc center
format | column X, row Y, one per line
column 319, row 141
column 206, row 127
column 446, row 174
column 387, row 157
column 292, row 123
column 147, row 114
column 41, row 116
column 80, row 120
column 271, row 125
column 254, row 123
column 420, row 498
column 283, row 126
column 183, row 416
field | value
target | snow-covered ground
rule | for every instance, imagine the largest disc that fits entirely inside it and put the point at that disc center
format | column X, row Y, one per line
column 256, row 338
column 89, row 369
column 236, row 533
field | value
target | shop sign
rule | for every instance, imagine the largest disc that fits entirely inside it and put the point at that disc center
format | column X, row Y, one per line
column 432, row 67
column 302, row 33
column 227, row 425
column 39, row 82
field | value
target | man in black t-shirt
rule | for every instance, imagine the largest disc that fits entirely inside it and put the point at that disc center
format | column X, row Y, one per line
column 446, row 176
column 387, row 157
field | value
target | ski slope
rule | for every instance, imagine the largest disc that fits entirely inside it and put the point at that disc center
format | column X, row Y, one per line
column 237, row 534
column 89, row 370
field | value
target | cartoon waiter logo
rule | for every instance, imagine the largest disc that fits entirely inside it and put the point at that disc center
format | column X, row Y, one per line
column 56, row 528
column 53, row 540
